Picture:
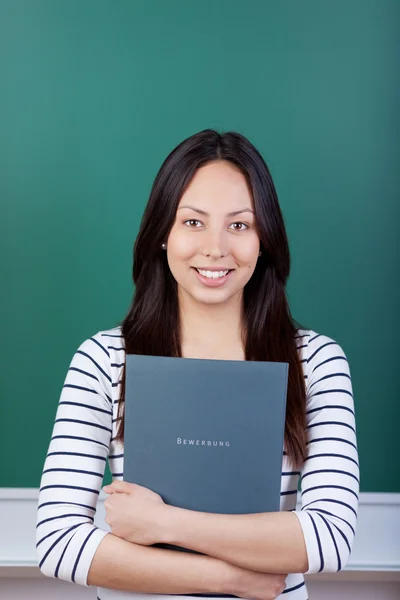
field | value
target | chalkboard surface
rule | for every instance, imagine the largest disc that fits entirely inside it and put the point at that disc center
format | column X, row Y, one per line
column 95, row 94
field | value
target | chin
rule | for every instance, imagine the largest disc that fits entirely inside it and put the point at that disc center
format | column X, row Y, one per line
column 212, row 298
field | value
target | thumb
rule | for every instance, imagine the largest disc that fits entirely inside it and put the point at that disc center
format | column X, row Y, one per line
column 122, row 487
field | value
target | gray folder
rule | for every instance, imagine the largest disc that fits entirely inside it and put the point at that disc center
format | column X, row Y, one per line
column 206, row 435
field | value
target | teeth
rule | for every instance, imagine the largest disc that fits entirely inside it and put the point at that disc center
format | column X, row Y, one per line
column 213, row 274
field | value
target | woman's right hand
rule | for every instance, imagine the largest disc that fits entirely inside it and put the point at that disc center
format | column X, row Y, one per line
column 255, row 585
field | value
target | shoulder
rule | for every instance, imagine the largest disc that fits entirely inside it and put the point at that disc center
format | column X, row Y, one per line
column 103, row 340
column 315, row 343
column 317, row 349
column 110, row 339
column 322, row 356
column 321, row 347
column 98, row 351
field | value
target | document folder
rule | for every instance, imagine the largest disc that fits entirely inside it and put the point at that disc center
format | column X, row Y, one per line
column 206, row 435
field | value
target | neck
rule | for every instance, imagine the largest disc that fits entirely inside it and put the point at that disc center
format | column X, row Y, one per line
column 211, row 330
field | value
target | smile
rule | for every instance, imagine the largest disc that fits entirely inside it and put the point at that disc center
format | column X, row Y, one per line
column 213, row 279
column 213, row 274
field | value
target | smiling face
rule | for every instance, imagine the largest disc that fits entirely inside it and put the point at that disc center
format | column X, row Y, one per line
column 213, row 246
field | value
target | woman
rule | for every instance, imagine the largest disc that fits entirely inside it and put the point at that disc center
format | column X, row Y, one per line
column 211, row 262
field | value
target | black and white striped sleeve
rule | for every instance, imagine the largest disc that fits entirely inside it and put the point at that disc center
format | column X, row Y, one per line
column 330, row 475
column 66, row 537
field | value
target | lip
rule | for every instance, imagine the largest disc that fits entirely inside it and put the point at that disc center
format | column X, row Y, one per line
column 213, row 268
column 213, row 282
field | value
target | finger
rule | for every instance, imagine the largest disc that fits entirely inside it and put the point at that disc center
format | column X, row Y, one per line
column 122, row 487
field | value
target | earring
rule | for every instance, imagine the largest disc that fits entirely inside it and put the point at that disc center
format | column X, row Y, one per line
column 260, row 253
column 164, row 246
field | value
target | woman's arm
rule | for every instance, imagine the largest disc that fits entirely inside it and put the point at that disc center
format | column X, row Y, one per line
column 266, row 542
column 121, row 565
column 66, row 536
column 318, row 537
column 330, row 478
column 69, row 545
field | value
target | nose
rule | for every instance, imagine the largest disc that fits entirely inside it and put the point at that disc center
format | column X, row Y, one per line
column 215, row 244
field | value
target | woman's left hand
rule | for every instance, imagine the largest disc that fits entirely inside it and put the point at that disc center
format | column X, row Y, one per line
column 135, row 513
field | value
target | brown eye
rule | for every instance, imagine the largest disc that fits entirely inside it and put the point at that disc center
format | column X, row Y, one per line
column 242, row 226
column 191, row 223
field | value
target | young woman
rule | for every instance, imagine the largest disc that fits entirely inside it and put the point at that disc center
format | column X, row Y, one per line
column 211, row 262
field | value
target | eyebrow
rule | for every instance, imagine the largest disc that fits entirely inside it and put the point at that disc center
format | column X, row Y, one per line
column 231, row 214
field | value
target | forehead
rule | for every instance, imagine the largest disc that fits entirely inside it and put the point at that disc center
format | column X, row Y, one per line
column 218, row 184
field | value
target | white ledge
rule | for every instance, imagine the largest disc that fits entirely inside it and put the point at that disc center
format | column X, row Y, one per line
column 375, row 555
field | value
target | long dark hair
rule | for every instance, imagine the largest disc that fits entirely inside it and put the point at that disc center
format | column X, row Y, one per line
column 152, row 325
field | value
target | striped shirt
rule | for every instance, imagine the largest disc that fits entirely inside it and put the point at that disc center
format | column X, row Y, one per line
column 82, row 441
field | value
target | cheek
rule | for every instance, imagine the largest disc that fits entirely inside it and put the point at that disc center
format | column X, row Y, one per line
column 180, row 245
column 248, row 254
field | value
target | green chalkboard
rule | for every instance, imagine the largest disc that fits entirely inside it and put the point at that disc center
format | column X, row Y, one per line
column 95, row 94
